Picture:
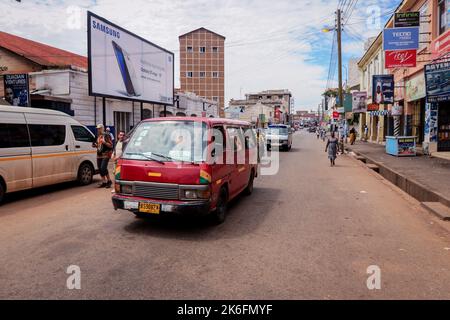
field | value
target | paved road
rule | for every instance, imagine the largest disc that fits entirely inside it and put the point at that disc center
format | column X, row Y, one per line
column 308, row 233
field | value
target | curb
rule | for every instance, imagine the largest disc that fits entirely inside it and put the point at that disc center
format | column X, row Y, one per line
column 415, row 189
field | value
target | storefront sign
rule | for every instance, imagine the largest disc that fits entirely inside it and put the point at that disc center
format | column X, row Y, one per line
column 17, row 91
column 397, row 110
column 437, row 77
column 407, row 19
column 401, row 39
column 373, row 107
column 383, row 89
column 440, row 46
column 359, row 102
column 401, row 59
column 415, row 88
column 335, row 115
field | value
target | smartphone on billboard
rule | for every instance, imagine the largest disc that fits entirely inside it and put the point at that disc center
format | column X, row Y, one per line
column 127, row 70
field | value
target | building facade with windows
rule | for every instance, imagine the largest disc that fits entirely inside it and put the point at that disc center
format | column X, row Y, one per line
column 265, row 107
column 202, row 65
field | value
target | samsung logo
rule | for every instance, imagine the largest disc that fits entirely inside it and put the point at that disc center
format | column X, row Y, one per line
column 101, row 27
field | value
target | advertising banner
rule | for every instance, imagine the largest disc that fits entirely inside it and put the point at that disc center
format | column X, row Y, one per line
column 400, row 59
column 415, row 88
column 437, row 78
column 359, row 102
column 383, row 89
column 17, row 92
column 125, row 66
column 407, row 146
column 401, row 39
column 407, row 19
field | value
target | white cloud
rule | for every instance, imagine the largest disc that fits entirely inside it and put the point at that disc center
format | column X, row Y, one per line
column 269, row 44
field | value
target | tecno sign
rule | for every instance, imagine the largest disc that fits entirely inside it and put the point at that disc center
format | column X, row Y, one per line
column 401, row 59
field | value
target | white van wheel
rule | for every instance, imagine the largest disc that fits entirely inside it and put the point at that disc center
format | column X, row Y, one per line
column 85, row 174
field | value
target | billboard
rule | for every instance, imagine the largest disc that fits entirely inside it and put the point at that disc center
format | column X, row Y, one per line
column 17, row 92
column 401, row 39
column 359, row 102
column 383, row 89
column 437, row 78
column 407, row 19
column 401, row 59
column 125, row 66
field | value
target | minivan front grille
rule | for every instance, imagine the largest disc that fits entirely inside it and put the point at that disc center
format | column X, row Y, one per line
column 156, row 191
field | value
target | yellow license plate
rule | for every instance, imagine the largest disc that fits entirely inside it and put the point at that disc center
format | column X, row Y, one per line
column 149, row 208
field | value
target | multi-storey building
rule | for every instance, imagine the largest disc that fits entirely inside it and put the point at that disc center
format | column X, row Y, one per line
column 202, row 65
column 273, row 106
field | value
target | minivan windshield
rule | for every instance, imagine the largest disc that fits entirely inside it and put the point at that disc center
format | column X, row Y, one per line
column 278, row 131
column 168, row 141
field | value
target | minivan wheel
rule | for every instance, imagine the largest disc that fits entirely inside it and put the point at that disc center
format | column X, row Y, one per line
column 2, row 192
column 220, row 213
column 249, row 189
column 85, row 174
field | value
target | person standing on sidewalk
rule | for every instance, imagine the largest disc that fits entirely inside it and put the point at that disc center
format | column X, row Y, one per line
column 332, row 148
column 104, row 147
column 366, row 133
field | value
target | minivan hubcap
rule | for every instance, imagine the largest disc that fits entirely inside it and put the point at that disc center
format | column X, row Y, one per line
column 86, row 175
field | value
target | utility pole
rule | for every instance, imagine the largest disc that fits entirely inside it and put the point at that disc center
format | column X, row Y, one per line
column 340, row 89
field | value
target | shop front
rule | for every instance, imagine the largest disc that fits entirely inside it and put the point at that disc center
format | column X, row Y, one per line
column 437, row 77
column 415, row 97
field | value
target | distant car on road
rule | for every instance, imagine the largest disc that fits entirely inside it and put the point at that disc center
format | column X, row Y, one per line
column 279, row 135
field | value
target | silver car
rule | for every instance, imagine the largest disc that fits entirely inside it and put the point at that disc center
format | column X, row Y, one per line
column 279, row 136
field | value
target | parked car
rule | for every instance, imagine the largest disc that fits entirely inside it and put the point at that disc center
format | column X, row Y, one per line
column 185, row 165
column 279, row 135
column 39, row 147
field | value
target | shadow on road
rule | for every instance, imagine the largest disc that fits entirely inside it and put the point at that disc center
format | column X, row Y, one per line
column 245, row 214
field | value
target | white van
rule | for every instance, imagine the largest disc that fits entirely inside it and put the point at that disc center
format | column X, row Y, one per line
column 39, row 147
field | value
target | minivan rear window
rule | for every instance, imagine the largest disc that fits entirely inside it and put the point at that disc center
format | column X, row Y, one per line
column 13, row 135
column 44, row 135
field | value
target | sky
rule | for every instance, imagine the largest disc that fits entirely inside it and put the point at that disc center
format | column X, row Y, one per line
column 269, row 44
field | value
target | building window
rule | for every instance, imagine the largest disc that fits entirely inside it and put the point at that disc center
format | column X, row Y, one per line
column 215, row 49
column 424, row 28
column 215, row 74
column 189, row 74
column 202, row 49
column 442, row 16
column 202, row 74
column 280, row 97
column 216, row 99
column 190, row 49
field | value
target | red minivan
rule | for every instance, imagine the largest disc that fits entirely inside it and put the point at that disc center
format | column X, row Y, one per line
column 186, row 165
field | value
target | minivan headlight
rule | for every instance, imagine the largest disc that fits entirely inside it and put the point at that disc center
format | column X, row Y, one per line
column 196, row 194
column 126, row 189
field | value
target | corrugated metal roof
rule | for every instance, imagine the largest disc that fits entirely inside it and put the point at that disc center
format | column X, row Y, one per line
column 40, row 53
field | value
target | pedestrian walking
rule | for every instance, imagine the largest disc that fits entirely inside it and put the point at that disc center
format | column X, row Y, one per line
column 118, row 149
column 352, row 136
column 104, row 147
column 366, row 133
column 332, row 148
column 318, row 133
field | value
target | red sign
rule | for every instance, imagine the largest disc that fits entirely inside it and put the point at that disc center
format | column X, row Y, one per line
column 335, row 115
column 401, row 59
column 441, row 45
column 373, row 107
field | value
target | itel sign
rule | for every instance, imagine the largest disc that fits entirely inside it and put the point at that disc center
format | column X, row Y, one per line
column 401, row 59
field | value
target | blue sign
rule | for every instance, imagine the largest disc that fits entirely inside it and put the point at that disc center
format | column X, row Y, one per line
column 437, row 77
column 401, row 39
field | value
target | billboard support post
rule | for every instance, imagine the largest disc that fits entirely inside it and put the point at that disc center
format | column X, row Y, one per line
column 165, row 111
column 104, row 111
column 142, row 111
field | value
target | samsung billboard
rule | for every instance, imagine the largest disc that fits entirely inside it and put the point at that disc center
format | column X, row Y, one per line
column 125, row 66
